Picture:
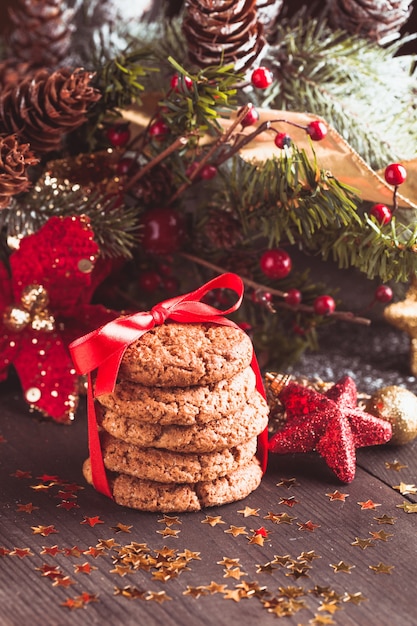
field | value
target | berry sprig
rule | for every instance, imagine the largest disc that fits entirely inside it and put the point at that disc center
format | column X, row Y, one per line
column 395, row 174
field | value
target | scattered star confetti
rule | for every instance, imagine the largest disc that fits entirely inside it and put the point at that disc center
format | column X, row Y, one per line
column 26, row 508
column 236, row 530
column 362, row 543
column 280, row 518
column 107, row 544
column 92, row 521
column 355, row 598
column 282, row 560
column 44, row 530
column 121, row 528
column 213, row 521
column 214, row 587
column 267, row 568
column 74, row 551
column 308, row 556
column 342, row 567
column 381, row 568
column 195, row 592
column 133, row 593
column 84, row 568
column 169, row 520
column 395, row 465
column 291, row 501
column 329, row 607
column 287, row 482
column 73, row 603
column 309, row 525
column 227, row 562
column 257, row 539
column 405, row 489
column 248, row 512
column 380, row 535
column 407, row 507
column 385, row 519
column 51, row 550
column 168, row 532
column 368, row 504
column 63, row 581
column 234, row 572
column 93, row 551
column 233, row 594
column 336, row 495
column 158, row 596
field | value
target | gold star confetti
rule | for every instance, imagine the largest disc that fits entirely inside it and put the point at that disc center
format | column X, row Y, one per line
column 170, row 520
column 368, row 504
column 355, row 598
column 195, row 592
column 298, row 570
column 396, row 466
column 291, row 501
column 362, row 543
column 4, row 551
column 309, row 525
column 251, row 589
column 64, row 581
column 107, row 544
column 92, row 551
column 385, row 519
column 89, row 597
column 67, row 505
column 291, row 591
column 121, row 528
column 234, row 572
column 74, row 551
column 329, row 607
column 44, row 530
column 336, row 495
column 190, row 555
column 407, row 507
column 308, row 556
column 214, row 587
column 267, row 568
column 84, row 568
column 92, row 521
column 236, row 530
column 257, row 539
column 41, row 487
column 280, row 518
column 405, row 489
column 319, row 620
column 287, row 482
column 26, row 508
column 73, row 603
column 50, row 550
column 320, row 591
column 50, row 571
column 248, row 512
column 158, row 596
column 380, row 534
column 227, row 562
column 168, row 532
column 233, row 594
column 133, row 593
column 342, row 567
column 213, row 521
column 121, row 570
column 381, row 568
column 282, row 560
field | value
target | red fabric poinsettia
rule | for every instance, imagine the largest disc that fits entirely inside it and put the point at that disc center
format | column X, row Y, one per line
column 61, row 260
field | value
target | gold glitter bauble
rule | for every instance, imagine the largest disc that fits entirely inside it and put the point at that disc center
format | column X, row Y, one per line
column 398, row 406
column 15, row 319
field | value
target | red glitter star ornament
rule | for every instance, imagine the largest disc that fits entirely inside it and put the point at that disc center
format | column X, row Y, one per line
column 44, row 305
column 330, row 424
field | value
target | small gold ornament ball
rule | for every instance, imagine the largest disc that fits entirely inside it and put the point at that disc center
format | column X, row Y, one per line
column 398, row 406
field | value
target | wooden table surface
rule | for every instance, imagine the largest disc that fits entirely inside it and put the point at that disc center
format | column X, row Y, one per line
column 303, row 548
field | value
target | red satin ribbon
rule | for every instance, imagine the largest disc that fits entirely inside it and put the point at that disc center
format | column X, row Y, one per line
column 103, row 350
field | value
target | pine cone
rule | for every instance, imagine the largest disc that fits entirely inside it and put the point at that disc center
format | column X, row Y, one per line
column 40, row 33
column 15, row 158
column 155, row 187
column 268, row 12
column 222, row 230
column 43, row 107
column 373, row 19
column 12, row 72
column 223, row 31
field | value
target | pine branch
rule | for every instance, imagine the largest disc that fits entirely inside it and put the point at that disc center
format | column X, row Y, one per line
column 330, row 72
column 114, row 226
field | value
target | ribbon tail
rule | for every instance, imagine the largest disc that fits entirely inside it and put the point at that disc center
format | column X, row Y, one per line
column 98, row 471
column 262, row 451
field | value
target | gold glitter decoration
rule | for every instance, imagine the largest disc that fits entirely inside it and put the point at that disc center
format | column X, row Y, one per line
column 398, row 406
column 85, row 266
column 32, row 309
column 403, row 315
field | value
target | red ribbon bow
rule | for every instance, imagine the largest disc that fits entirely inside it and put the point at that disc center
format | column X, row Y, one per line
column 103, row 350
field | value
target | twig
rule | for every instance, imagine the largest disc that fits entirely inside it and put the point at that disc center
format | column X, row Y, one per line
column 345, row 316
column 178, row 143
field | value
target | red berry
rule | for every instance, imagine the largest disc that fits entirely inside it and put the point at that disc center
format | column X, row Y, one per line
column 126, row 166
column 381, row 213
column 181, row 82
column 162, row 231
column 383, row 293
column 281, row 140
column 251, row 117
column 118, row 135
column 324, row 305
column 317, row 130
column 395, row 174
column 262, row 78
column 149, row 281
column 293, row 297
column 208, row 172
column 276, row 263
column 158, row 129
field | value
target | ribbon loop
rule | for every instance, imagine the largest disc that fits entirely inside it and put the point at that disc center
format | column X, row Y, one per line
column 159, row 314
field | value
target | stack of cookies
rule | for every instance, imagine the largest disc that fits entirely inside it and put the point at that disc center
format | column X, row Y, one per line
column 179, row 432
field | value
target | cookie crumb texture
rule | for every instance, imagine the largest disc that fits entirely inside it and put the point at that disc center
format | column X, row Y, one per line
column 184, row 406
column 152, row 496
column 179, row 355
